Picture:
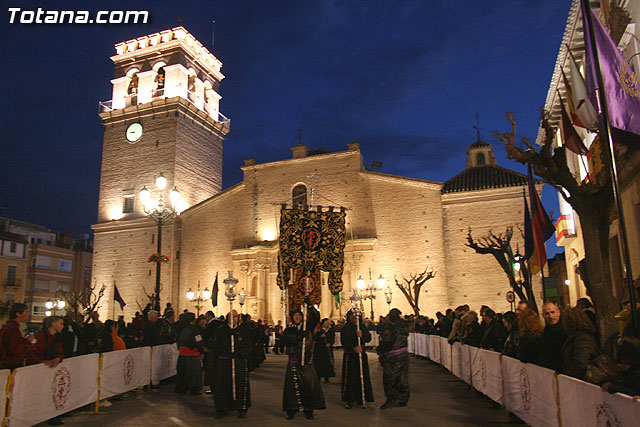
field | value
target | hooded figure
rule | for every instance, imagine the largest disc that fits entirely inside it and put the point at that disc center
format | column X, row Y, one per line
column 352, row 383
column 190, row 344
column 302, row 390
column 394, row 356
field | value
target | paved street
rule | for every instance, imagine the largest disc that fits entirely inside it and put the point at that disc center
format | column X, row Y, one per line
column 436, row 400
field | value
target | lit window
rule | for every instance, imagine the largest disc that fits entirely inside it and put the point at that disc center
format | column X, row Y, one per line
column 299, row 195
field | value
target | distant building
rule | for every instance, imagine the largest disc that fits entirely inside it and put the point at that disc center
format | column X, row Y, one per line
column 46, row 265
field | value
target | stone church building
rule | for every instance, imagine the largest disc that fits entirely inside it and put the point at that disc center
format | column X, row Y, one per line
column 165, row 110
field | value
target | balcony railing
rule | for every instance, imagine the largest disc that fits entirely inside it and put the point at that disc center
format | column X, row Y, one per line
column 129, row 100
column 13, row 282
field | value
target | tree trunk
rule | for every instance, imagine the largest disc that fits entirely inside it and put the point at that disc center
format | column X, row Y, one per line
column 595, row 229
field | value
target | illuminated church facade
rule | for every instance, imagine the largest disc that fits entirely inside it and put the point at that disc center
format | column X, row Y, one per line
column 164, row 118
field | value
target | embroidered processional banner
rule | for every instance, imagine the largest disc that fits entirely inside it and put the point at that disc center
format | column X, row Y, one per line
column 312, row 241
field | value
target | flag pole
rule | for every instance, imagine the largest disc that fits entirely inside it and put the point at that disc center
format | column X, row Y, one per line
column 613, row 169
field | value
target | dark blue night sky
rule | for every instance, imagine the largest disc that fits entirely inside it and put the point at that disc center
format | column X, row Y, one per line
column 403, row 78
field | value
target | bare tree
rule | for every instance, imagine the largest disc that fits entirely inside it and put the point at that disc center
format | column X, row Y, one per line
column 499, row 245
column 411, row 287
column 85, row 301
column 151, row 299
column 593, row 201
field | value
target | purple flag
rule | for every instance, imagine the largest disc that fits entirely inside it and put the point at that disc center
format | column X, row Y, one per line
column 621, row 86
column 117, row 297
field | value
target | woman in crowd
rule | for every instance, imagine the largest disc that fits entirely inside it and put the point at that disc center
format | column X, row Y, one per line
column 472, row 335
column 530, row 335
column 109, row 340
column 581, row 345
column 510, row 320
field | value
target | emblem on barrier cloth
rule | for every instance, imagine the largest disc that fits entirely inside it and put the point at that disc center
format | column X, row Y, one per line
column 60, row 388
column 127, row 369
column 525, row 390
column 483, row 372
column 606, row 417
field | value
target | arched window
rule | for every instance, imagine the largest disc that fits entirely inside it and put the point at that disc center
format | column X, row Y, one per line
column 480, row 159
column 159, row 81
column 133, row 85
column 299, row 195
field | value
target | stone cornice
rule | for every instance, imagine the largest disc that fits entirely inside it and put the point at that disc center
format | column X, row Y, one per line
column 122, row 225
column 337, row 154
column 416, row 182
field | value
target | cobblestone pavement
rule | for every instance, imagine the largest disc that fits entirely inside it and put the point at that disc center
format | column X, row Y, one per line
column 437, row 399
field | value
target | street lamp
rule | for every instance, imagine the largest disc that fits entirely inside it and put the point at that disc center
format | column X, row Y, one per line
column 160, row 214
column 197, row 298
column 53, row 305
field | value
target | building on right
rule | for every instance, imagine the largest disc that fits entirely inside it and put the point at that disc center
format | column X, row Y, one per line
column 622, row 21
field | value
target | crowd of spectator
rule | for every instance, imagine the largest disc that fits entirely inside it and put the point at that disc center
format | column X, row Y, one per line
column 567, row 342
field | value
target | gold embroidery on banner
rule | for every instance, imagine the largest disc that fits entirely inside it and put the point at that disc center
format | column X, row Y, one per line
column 628, row 80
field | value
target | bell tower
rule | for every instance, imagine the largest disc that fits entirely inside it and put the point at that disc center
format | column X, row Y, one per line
column 163, row 118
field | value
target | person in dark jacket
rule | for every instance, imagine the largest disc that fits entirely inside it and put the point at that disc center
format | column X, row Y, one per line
column 530, row 336
column 302, row 389
column 231, row 391
column 627, row 354
column 512, row 343
column 322, row 360
column 151, row 331
column 190, row 347
column 352, row 383
column 210, row 355
column 394, row 356
column 581, row 345
column 553, row 338
column 13, row 346
column 443, row 327
column 494, row 332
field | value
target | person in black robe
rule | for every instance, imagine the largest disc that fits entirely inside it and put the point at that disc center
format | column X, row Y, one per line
column 190, row 342
column 322, row 360
column 351, row 381
column 302, row 388
column 230, row 364
column 394, row 356
column 210, row 355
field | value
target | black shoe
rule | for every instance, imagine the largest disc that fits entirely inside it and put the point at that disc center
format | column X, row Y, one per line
column 388, row 404
column 219, row 415
column 308, row 415
column 55, row 421
column 400, row 404
column 290, row 415
column 349, row 405
column 242, row 414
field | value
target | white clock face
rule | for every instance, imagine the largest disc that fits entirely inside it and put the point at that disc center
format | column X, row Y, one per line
column 134, row 132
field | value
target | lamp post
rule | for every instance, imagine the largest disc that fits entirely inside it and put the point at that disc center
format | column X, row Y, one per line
column 230, row 292
column 160, row 214
column 198, row 298
column 388, row 294
column 53, row 305
column 242, row 296
column 371, row 289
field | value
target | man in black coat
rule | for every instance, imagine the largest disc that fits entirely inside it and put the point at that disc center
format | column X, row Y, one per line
column 553, row 338
column 494, row 332
column 151, row 330
column 394, row 356
column 354, row 352
column 210, row 355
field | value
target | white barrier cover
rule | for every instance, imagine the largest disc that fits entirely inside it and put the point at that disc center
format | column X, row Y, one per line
column 165, row 362
column 465, row 363
column 124, row 370
column 422, row 345
column 445, row 353
column 456, row 359
column 530, row 392
column 4, row 376
column 585, row 404
column 487, row 374
column 41, row 393
column 435, row 348
column 412, row 343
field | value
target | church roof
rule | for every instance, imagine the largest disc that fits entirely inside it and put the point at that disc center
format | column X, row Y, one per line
column 484, row 177
column 479, row 144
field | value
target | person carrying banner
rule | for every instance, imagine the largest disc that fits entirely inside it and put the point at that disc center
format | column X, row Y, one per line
column 302, row 390
column 394, row 356
column 354, row 351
